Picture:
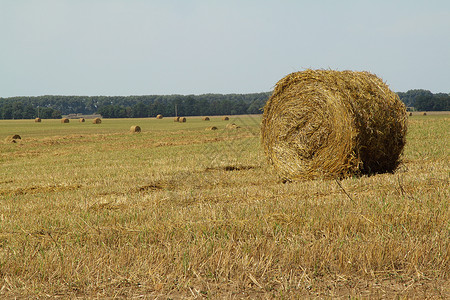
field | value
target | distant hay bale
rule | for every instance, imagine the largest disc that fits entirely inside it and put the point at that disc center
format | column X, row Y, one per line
column 232, row 126
column 331, row 124
column 97, row 121
column 424, row 114
column 82, row 120
column 64, row 120
column 13, row 138
column 37, row 120
column 176, row 119
column 410, row 114
column 135, row 129
column 205, row 118
column 182, row 120
column 211, row 128
column 159, row 116
column 225, row 118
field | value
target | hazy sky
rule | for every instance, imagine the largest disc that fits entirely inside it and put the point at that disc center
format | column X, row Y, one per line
column 147, row 47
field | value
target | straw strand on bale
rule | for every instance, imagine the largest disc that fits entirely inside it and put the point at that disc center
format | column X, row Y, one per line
column 329, row 124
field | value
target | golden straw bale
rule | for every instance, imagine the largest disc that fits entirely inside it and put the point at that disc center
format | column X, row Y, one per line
column 12, row 138
column 211, row 128
column 225, row 118
column 82, row 120
column 232, row 126
column 64, row 120
column 159, row 116
column 37, row 120
column 205, row 118
column 332, row 124
column 97, row 121
column 135, row 129
column 182, row 120
column 176, row 119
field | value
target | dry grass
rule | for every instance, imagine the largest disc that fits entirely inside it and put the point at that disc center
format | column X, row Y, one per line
column 333, row 124
column 180, row 212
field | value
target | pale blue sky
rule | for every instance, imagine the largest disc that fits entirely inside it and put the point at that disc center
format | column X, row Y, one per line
column 139, row 47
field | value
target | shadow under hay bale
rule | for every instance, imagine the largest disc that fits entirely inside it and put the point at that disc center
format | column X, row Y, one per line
column 182, row 120
column 135, row 129
column 37, row 120
column 205, row 118
column 159, row 116
column 64, row 120
column 329, row 124
column 97, row 121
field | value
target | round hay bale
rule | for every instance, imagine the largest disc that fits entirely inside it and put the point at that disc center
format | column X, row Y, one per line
column 176, row 119
column 135, row 129
column 205, row 118
column 13, row 138
column 232, row 126
column 97, row 121
column 211, row 128
column 333, row 124
column 182, row 120
column 225, row 118
column 424, row 114
column 159, row 116
column 82, row 120
column 410, row 114
column 64, row 120
column 37, row 120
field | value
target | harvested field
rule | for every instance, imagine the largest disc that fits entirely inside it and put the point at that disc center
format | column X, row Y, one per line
column 180, row 212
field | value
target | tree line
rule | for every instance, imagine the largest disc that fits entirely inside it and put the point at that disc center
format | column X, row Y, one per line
column 53, row 107
column 132, row 106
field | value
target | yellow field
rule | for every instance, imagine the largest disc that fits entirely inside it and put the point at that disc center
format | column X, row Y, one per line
column 176, row 211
